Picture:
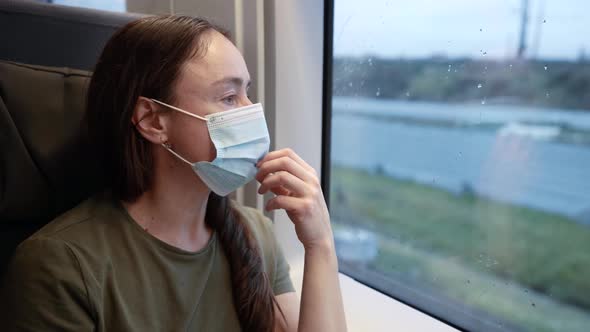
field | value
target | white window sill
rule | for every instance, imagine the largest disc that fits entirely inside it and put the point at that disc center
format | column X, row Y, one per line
column 369, row 310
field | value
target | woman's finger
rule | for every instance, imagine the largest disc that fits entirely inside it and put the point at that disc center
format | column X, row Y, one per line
column 280, row 190
column 288, row 203
column 287, row 152
column 284, row 163
column 286, row 180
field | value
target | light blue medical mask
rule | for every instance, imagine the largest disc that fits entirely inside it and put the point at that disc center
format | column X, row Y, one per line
column 241, row 139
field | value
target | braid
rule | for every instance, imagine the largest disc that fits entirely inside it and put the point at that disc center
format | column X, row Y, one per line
column 252, row 292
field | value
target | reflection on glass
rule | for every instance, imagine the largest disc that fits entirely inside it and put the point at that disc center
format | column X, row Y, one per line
column 461, row 153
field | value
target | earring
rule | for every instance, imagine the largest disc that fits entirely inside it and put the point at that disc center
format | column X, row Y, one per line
column 166, row 144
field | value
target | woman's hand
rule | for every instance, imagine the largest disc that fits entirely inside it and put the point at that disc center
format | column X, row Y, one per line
column 299, row 192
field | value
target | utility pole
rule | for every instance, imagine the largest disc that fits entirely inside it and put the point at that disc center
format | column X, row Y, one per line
column 539, row 22
column 524, row 20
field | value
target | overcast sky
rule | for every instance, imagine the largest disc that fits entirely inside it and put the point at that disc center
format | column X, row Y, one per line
column 422, row 28
column 557, row 29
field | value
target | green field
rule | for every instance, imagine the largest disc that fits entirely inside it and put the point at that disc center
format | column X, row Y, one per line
column 526, row 267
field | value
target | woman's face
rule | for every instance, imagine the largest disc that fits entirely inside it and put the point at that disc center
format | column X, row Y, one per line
column 215, row 82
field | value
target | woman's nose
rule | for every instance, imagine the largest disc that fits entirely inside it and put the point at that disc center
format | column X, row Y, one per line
column 246, row 102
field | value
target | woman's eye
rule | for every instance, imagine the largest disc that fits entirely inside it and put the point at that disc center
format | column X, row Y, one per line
column 230, row 100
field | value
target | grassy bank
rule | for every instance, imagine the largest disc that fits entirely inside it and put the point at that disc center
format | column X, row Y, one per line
column 545, row 253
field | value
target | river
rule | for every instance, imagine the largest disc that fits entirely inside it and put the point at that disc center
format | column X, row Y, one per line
column 534, row 157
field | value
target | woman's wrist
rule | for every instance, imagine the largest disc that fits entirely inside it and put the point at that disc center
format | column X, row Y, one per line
column 324, row 251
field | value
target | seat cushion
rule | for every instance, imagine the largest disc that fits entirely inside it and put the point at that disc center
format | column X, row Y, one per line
column 45, row 164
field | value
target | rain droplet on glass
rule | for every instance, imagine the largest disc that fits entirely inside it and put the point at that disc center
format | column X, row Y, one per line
column 483, row 101
column 479, row 86
column 350, row 84
column 544, row 21
column 378, row 93
column 545, row 67
column 480, row 30
column 408, row 94
column 449, row 70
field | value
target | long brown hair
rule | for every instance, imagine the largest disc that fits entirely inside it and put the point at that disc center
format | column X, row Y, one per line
column 144, row 58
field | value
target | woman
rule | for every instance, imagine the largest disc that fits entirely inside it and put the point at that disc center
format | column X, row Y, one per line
column 162, row 248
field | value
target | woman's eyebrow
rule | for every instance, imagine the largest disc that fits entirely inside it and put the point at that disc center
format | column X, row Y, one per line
column 236, row 81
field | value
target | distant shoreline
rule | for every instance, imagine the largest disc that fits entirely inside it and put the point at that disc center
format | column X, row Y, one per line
column 570, row 127
column 561, row 84
column 492, row 102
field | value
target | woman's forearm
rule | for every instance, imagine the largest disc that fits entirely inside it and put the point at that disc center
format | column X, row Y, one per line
column 321, row 301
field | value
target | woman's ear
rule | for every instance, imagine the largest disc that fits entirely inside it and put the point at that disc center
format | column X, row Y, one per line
column 149, row 121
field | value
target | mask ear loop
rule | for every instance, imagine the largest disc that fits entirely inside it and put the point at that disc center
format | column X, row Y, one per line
column 179, row 110
column 166, row 144
column 168, row 147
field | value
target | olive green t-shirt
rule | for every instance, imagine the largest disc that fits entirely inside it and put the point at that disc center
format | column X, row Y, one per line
column 95, row 269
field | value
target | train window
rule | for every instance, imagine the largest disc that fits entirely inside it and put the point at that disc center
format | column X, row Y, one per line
column 112, row 5
column 459, row 157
